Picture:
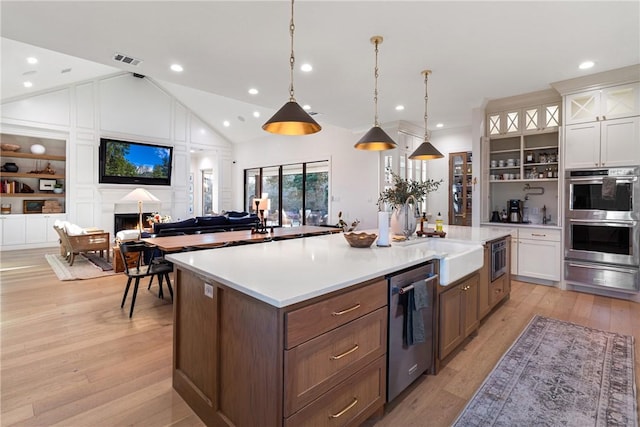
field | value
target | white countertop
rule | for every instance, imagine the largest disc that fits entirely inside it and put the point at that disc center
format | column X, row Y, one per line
column 520, row 225
column 286, row 272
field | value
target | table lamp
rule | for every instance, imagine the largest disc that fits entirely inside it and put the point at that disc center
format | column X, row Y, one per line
column 139, row 195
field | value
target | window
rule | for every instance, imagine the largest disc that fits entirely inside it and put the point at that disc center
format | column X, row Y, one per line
column 298, row 194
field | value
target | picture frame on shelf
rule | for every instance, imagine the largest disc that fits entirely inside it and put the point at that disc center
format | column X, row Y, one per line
column 32, row 206
column 47, row 184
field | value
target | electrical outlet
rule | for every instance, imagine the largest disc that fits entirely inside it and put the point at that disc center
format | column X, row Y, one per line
column 208, row 290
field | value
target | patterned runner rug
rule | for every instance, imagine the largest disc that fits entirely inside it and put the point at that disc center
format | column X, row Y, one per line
column 559, row 374
column 82, row 268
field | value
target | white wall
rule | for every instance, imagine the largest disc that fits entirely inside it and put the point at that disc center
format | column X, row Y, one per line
column 354, row 174
column 125, row 107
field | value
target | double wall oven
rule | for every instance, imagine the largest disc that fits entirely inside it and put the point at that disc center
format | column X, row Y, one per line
column 602, row 229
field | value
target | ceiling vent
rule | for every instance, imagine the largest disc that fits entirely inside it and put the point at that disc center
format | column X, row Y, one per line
column 126, row 59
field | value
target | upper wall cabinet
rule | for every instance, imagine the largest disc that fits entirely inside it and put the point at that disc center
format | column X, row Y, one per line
column 517, row 121
column 541, row 118
column 604, row 104
column 504, row 122
column 603, row 127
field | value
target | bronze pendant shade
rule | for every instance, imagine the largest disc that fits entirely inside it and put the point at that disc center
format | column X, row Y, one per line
column 375, row 139
column 291, row 119
column 426, row 150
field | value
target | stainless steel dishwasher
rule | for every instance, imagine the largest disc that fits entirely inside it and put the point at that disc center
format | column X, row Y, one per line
column 405, row 363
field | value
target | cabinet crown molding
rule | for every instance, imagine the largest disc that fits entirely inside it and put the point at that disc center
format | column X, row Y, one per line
column 629, row 74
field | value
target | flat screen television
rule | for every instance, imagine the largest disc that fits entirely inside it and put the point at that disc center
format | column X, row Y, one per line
column 126, row 162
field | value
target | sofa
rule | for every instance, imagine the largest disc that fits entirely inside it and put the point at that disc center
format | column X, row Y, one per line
column 229, row 221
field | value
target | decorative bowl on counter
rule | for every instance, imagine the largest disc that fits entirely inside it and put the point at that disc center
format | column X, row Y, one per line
column 9, row 147
column 360, row 240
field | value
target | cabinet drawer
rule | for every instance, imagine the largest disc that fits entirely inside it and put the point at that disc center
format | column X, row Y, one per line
column 349, row 404
column 497, row 290
column 551, row 235
column 313, row 320
column 316, row 366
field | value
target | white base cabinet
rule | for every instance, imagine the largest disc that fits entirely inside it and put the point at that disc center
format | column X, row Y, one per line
column 537, row 252
column 28, row 231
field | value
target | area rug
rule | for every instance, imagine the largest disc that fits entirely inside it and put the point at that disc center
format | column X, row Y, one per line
column 81, row 269
column 559, row 374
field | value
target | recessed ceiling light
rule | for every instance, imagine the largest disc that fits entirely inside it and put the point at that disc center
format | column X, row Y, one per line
column 27, row 84
column 399, row 107
column 32, row 60
column 586, row 65
column 307, row 107
column 226, row 123
column 177, row 68
column 256, row 114
column 306, row 68
column 439, row 125
column 253, row 91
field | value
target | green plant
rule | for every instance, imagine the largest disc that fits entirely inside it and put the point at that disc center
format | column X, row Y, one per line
column 402, row 188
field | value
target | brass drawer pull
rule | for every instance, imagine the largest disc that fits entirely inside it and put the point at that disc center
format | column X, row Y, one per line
column 538, row 235
column 340, row 356
column 351, row 405
column 340, row 313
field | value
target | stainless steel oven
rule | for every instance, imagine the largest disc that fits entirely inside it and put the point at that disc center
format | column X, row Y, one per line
column 498, row 259
column 603, row 193
column 602, row 230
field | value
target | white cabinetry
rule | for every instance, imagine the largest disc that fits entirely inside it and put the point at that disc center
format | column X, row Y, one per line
column 541, row 118
column 609, row 143
column 40, row 228
column 13, row 230
column 603, row 127
column 504, row 122
column 538, row 253
column 28, row 231
column 603, row 104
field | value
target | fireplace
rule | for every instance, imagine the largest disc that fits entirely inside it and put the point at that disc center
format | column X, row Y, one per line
column 128, row 221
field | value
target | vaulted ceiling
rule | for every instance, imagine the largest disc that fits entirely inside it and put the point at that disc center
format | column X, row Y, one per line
column 477, row 50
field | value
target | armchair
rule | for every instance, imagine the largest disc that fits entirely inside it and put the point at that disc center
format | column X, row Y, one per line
column 85, row 241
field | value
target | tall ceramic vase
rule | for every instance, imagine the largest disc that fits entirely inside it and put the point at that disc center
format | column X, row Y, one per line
column 398, row 219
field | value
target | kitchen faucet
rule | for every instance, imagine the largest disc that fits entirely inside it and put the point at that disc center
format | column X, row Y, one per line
column 407, row 231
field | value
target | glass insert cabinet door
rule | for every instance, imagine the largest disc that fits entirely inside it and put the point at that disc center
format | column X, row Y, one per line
column 460, row 190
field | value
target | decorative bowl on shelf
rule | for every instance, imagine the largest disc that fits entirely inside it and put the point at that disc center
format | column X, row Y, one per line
column 38, row 149
column 360, row 240
column 9, row 147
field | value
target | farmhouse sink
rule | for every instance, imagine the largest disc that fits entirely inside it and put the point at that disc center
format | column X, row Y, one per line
column 456, row 259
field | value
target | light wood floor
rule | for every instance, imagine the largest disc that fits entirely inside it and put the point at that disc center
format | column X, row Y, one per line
column 71, row 357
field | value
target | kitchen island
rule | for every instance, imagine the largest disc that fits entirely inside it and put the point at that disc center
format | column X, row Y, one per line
column 263, row 333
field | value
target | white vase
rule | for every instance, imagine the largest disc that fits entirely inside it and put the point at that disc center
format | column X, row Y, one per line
column 398, row 219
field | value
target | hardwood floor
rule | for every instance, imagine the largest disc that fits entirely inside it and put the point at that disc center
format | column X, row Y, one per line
column 71, row 357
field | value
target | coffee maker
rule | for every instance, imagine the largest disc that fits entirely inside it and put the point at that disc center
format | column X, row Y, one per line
column 515, row 211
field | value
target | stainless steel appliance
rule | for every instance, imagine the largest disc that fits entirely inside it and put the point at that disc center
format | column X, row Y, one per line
column 602, row 229
column 498, row 259
column 515, row 211
column 405, row 363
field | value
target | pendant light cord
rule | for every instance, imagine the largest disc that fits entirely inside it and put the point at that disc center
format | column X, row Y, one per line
column 375, row 89
column 426, row 99
column 292, row 58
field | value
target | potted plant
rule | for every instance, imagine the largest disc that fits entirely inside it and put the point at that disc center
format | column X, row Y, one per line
column 397, row 195
column 57, row 188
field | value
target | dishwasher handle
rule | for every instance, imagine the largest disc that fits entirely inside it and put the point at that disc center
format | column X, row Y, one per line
column 407, row 288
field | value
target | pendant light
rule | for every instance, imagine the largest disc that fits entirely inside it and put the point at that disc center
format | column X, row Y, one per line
column 376, row 138
column 291, row 119
column 426, row 151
